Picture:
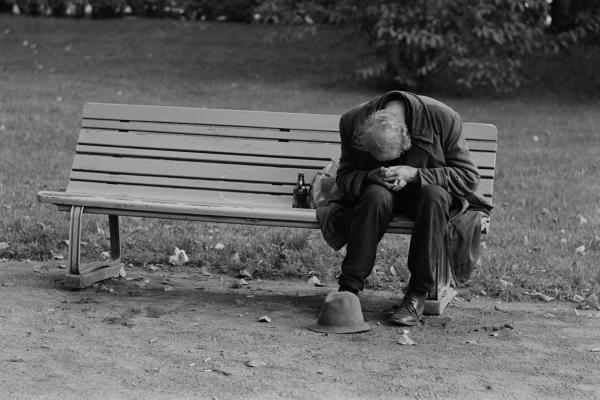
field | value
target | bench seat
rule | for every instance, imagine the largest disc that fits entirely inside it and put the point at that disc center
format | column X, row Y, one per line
column 273, row 214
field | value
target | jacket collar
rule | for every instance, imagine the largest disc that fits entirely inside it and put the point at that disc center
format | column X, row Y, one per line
column 419, row 126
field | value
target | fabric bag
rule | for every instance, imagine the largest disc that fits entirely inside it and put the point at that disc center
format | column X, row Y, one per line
column 323, row 187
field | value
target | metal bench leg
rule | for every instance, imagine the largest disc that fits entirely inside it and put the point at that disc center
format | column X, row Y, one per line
column 80, row 275
column 75, row 239
column 115, row 238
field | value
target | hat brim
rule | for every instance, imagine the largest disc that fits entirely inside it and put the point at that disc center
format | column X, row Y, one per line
column 340, row 329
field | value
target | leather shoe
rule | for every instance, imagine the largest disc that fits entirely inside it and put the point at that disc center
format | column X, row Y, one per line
column 411, row 309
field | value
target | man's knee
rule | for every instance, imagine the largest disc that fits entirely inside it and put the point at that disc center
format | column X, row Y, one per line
column 378, row 197
column 434, row 195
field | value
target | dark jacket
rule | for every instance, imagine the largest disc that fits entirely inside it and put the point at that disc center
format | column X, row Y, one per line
column 439, row 151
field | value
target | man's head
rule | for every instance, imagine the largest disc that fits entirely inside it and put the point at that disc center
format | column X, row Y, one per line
column 384, row 135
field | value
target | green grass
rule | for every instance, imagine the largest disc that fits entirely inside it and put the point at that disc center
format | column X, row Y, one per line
column 50, row 67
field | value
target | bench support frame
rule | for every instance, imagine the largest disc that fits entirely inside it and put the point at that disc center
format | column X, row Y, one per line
column 80, row 275
column 83, row 275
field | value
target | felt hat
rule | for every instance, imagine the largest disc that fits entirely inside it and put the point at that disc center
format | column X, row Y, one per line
column 340, row 313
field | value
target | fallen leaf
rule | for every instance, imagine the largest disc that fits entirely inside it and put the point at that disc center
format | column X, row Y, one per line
column 578, row 298
column 168, row 288
column 61, row 266
column 152, row 267
column 105, row 255
column 536, row 138
column 8, row 284
column 582, row 220
column 264, row 318
column 219, row 246
column 580, row 249
column 471, row 342
column 37, row 268
column 494, row 334
column 179, row 257
column 122, row 273
column 205, row 272
column 406, row 341
column 313, row 280
column 544, row 297
column 498, row 308
column 255, row 363
column 595, row 350
column 244, row 273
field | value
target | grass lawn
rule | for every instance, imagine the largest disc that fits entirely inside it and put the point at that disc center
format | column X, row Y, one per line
column 546, row 191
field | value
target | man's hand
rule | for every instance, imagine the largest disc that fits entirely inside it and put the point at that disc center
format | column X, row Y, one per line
column 398, row 176
column 378, row 176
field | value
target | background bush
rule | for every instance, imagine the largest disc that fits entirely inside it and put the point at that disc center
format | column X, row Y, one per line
column 416, row 44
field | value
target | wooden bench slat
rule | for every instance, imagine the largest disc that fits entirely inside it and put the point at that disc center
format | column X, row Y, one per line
column 205, row 116
column 476, row 130
column 477, row 145
column 207, row 130
column 125, row 179
column 255, row 147
column 189, row 169
column 195, row 156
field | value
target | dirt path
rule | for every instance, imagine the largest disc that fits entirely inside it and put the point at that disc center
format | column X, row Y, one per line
column 201, row 339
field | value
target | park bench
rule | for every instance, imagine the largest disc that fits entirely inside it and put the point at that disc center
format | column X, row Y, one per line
column 212, row 165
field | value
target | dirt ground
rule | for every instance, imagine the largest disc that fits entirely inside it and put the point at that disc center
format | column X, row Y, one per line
column 183, row 335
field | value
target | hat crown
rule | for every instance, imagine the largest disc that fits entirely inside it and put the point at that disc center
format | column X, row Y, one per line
column 340, row 313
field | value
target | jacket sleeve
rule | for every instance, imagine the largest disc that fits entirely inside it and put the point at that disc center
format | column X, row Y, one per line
column 460, row 175
column 349, row 178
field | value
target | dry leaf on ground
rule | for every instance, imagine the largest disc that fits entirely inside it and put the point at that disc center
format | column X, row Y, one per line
column 255, row 363
column 244, row 273
column 179, row 257
column 313, row 280
column 406, row 341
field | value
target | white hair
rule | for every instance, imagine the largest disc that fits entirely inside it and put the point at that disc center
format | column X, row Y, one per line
column 384, row 135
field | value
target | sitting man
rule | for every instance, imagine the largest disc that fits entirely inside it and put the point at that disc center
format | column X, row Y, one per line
column 401, row 153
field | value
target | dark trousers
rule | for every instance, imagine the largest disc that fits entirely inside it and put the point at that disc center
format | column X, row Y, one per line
column 430, row 207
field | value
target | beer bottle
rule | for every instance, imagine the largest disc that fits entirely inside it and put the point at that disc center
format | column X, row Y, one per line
column 300, row 193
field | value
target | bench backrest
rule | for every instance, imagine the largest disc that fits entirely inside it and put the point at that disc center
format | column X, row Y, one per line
column 233, row 156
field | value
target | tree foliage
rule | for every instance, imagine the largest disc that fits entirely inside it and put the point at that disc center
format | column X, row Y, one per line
column 477, row 43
